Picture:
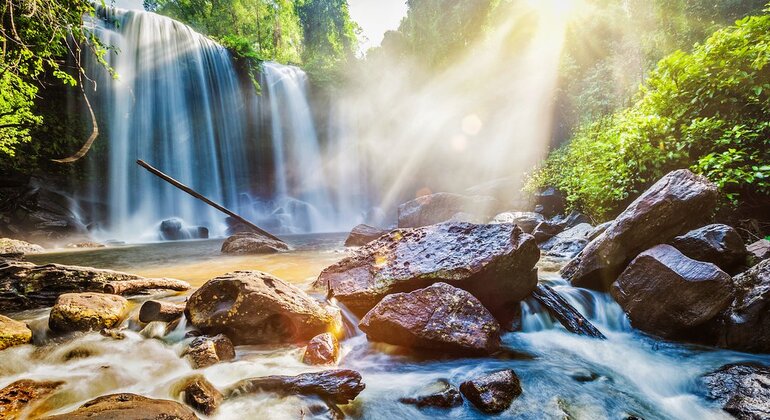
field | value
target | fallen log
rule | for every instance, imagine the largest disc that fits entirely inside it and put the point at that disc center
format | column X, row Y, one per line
column 155, row 310
column 130, row 287
column 565, row 313
column 339, row 386
column 200, row 196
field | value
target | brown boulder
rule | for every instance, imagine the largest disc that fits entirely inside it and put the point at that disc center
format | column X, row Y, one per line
column 718, row 244
column 15, row 246
column 156, row 310
column 745, row 325
column 13, row 333
column 495, row 263
column 199, row 393
column 252, row 307
column 492, row 393
column 363, row 234
column 206, row 351
column 128, row 407
column 438, row 317
column 339, row 386
column 252, row 243
column 87, row 312
column 678, row 202
column 22, row 398
column 440, row 207
column 323, row 349
column 665, row 293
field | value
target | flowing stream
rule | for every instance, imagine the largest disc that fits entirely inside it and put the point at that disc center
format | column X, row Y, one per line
column 563, row 375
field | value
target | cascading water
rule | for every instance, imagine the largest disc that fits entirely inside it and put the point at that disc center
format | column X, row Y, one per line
column 178, row 103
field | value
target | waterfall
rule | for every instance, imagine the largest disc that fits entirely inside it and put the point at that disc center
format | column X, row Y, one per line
column 179, row 104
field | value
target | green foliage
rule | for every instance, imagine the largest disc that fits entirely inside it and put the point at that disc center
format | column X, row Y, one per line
column 708, row 110
column 330, row 37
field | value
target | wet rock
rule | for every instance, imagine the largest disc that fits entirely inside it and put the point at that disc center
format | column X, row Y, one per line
column 14, row 246
column 573, row 219
column 598, row 230
column 760, row 249
column 21, row 398
column 550, row 202
column 546, row 230
column 252, row 243
column 199, row 394
column 87, row 312
column 468, row 218
column 438, row 317
column 742, row 389
column 85, row 244
column 155, row 310
column 495, row 263
column 252, row 307
column 323, row 349
column 25, row 285
column 128, row 407
column 171, row 230
column 440, row 207
column 447, row 396
column 363, row 234
column 492, row 393
column 206, row 351
column 13, row 333
column 526, row 220
column 339, row 386
column 717, row 244
column 665, row 293
column 678, row 202
column 745, row 325
column 565, row 313
column 568, row 243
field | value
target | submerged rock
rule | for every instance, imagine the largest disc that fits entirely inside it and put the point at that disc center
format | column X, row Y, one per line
column 128, row 407
column 446, row 397
column 205, row 351
column 339, row 386
column 87, row 312
column 717, row 244
column 22, row 398
column 13, row 333
column 15, row 246
column 199, row 394
column 666, row 293
column 742, row 389
column 363, row 234
column 495, row 263
column 745, row 325
column 565, row 313
column 25, row 285
column 323, row 349
column 252, row 307
column 252, row 243
column 526, row 220
column 441, row 207
column 675, row 204
column 85, row 244
column 438, row 317
column 493, row 393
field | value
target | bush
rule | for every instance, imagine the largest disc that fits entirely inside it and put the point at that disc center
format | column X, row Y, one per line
column 708, row 110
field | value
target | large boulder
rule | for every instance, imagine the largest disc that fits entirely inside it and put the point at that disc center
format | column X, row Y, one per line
column 441, row 207
column 665, row 293
column 87, row 312
column 25, row 285
column 492, row 393
column 438, row 317
column 526, row 220
column 338, row 386
column 495, row 263
column 718, row 244
column 363, row 234
column 13, row 333
column 568, row 243
column 252, row 307
column 14, row 246
column 745, row 325
column 128, row 407
column 252, row 243
column 22, row 399
column 742, row 389
column 678, row 202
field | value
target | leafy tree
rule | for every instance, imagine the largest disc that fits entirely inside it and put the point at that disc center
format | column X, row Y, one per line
column 330, row 37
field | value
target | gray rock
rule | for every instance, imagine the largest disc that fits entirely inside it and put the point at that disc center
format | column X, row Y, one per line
column 718, row 244
column 742, row 389
column 493, row 393
column 441, row 207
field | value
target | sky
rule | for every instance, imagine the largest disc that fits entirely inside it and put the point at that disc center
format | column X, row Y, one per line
column 374, row 16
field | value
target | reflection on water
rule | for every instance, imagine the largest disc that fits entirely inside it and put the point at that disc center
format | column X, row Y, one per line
column 563, row 376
